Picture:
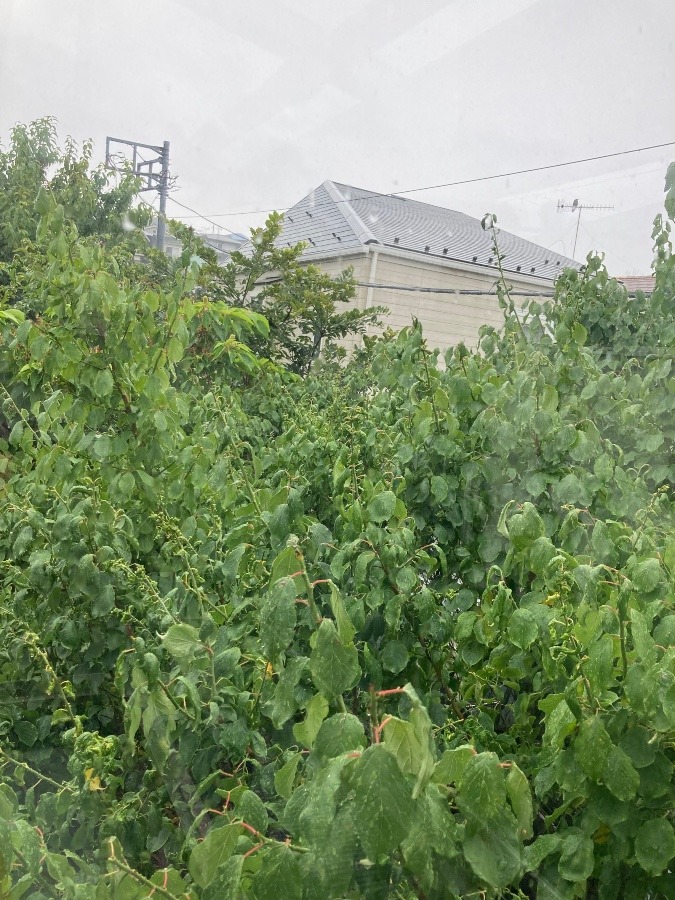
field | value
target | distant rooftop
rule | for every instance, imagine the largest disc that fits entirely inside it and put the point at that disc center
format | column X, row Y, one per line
column 633, row 283
column 341, row 218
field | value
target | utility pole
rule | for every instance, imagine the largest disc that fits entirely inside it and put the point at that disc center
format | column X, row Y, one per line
column 575, row 206
column 151, row 179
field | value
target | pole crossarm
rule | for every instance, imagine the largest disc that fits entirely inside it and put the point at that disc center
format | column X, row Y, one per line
column 143, row 169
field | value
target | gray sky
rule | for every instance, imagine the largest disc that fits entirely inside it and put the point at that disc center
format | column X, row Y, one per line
column 264, row 99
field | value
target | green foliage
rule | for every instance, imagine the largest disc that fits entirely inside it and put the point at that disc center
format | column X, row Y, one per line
column 300, row 303
column 33, row 162
column 392, row 630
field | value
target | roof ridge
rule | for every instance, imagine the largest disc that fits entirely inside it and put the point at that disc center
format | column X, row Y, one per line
column 349, row 214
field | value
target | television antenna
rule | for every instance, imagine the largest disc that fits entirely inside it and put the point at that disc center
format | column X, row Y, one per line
column 576, row 206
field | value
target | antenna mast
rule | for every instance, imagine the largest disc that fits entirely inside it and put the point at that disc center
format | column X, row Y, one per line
column 576, row 206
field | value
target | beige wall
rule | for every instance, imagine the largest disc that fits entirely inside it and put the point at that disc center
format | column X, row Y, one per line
column 447, row 319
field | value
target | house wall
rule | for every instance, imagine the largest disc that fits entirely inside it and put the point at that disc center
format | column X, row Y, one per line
column 447, row 319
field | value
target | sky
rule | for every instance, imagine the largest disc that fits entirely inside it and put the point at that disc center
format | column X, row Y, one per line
column 264, row 100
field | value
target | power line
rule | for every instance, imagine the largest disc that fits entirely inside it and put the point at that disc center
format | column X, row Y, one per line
column 429, row 187
column 198, row 216
column 463, row 292
column 571, row 162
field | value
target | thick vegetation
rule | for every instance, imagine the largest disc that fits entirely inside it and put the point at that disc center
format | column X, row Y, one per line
column 394, row 629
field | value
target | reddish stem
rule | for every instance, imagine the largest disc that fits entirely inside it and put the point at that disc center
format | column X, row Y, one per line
column 377, row 732
column 252, row 850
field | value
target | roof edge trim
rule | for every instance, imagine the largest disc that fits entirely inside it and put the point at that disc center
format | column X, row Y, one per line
column 358, row 226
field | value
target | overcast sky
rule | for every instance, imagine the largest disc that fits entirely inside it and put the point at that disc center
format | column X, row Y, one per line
column 262, row 100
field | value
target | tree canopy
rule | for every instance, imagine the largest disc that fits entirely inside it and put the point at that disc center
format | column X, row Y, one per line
column 393, row 629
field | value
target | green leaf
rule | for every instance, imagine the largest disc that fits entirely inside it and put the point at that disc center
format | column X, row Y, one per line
column 383, row 804
column 655, row 845
column 226, row 882
column 439, row 488
column 407, row 579
column 318, row 815
column 229, row 567
column 669, row 704
column 523, row 629
column 317, row 710
column 339, row 734
column 569, row 491
column 215, row 849
column 174, row 350
column 669, row 558
column 543, row 846
column 620, row 776
column 400, row 738
column 182, row 642
column 635, row 742
column 126, row 484
column 103, row 383
column 592, row 747
column 381, row 507
column 334, row 665
column 278, row 617
column 16, row 434
column 285, row 564
column 600, row 665
column 42, row 202
column 395, row 657
column 560, row 723
column 346, row 630
column 525, row 527
column 520, row 798
column 8, row 802
column 494, row 853
column 481, row 792
column 284, row 703
column 335, row 857
column 102, row 446
column 26, row 732
column 646, row 575
column 104, row 603
column 450, row 767
column 278, row 876
column 251, row 809
column 579, row 334
column 576, row 859
column 284, row 778
column 643, row 642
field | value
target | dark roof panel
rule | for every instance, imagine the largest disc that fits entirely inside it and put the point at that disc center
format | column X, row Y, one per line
column 448, row 234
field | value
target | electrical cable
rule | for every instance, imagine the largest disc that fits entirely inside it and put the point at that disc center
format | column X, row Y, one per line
column 429, row 187
column 205, row 218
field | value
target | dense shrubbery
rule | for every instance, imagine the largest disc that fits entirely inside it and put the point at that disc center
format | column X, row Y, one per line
column 393, row 630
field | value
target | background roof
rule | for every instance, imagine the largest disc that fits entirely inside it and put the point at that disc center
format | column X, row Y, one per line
column 341, row 218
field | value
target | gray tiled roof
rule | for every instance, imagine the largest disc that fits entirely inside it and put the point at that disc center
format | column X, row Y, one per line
column 340, row 218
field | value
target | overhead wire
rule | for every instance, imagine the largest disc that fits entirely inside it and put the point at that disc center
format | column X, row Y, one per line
column 205, row 218
column 429, row 187
column 548, row 167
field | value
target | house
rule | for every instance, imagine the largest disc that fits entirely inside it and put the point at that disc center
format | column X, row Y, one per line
column 223, row 244
column 418, row 260
column 633, row 283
